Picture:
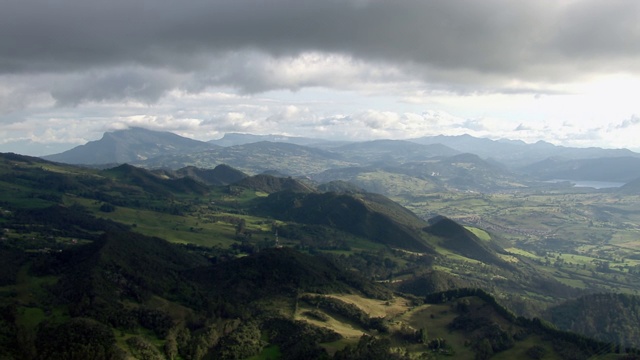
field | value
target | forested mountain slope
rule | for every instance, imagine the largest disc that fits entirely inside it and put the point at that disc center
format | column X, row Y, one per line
column 608, row 317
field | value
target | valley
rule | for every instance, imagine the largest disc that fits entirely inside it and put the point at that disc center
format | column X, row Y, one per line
column 425, row 255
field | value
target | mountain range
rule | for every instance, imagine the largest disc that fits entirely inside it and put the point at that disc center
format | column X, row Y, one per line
column 516, row 161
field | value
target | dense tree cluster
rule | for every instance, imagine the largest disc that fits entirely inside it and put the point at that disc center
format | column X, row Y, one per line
column 368, row 348
column 608, row 317
column 76, row 339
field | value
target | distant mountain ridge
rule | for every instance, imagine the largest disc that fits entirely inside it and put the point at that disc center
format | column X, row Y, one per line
column 392, row 167
column 133, row 144
column 392, row 150
column 232, row 139
column 516, row 153
column 254, row 158
column 617, row 169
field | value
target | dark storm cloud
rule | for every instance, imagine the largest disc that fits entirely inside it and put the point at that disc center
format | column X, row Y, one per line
column 139, row 84
column 443, row 41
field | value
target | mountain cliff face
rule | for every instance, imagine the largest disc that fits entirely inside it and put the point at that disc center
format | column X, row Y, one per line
column 129, row 145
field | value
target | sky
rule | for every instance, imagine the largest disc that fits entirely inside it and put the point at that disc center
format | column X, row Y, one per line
column 562, row 71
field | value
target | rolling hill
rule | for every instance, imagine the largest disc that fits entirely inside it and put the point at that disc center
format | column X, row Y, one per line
column 461, row 172
column 391, row 151
column 271, row 184
column 462, row 241
column 255, row 158
column 150, row 182
column 220, row 175
column 632, row 187
column 346, row 213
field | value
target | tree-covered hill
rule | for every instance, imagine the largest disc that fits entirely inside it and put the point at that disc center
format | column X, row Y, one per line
column 281, row 272
column 153, row 183
column 460, row 240
column 608, row 317
column 123, row 266
column 346, row 213
column 271, row 184
column 431, row 282
column 220, row 175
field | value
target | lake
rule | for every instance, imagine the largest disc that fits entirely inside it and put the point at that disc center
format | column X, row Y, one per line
column 590, row 184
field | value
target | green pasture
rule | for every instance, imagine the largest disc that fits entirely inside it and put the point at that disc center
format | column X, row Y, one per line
column 481, row 234
column 24, row 197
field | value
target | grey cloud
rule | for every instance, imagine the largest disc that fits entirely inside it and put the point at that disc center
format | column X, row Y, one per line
column 113, row 84
column 634, row 120
column 458, row 44
column 474, row 124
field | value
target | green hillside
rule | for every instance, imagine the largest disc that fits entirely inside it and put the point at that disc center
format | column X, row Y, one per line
column 220, row 175
column 343, row 212
column 128, row 263
column 271, row 184
column 455, row 237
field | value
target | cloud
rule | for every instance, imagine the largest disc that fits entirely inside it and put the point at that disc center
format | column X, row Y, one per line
column 630, row 122
column 522, row 127
column 113, row 84
column 137, row 48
